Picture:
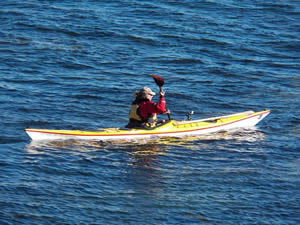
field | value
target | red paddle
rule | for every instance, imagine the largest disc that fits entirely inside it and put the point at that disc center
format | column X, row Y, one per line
column 160, row 82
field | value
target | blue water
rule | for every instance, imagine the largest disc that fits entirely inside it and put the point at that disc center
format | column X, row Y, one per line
column 76, row 64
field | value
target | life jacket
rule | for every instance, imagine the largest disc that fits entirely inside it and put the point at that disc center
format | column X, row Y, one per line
column 136, row 120
column 134, row 114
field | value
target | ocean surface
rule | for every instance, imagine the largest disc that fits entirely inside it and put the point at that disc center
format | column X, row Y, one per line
column 75, row 64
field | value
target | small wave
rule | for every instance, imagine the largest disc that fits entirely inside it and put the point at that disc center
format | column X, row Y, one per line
column 214, row 42
column 168, row 60
column 141, row 39
column 75, row 66
column 10, row 140
column 86, row 96
column 12, row 12
column 36, row 123
column 278, row 6
column 56, row 30
column 30, row 81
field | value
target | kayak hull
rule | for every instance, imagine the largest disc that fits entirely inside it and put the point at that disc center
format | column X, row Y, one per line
column 171, row 128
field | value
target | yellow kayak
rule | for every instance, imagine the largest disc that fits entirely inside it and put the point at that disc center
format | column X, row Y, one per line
column 171, row 128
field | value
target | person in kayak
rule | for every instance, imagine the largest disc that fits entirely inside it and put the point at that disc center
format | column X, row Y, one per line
column 143, row 112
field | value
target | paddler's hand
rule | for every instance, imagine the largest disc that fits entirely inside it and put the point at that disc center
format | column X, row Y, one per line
column 162, row 94
column 167, row 112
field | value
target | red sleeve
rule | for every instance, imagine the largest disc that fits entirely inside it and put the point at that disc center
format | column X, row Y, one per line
column 152, row 107
column 161, row 106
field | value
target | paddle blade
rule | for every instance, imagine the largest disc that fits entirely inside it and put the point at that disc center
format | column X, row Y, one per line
column 158, row 80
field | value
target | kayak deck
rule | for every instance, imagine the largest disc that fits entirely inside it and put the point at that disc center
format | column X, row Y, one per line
column 170, row 128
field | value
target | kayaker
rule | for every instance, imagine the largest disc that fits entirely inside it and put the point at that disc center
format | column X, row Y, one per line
column 143, row 112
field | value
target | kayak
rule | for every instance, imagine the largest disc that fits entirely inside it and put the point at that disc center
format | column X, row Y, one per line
column 170, row 128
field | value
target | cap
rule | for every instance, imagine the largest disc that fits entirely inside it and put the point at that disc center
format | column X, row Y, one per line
column 147, row 90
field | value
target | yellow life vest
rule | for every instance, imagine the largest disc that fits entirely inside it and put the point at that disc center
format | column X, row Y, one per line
column 133, row 114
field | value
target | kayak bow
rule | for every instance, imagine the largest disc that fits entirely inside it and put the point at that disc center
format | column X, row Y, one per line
column 169, row 129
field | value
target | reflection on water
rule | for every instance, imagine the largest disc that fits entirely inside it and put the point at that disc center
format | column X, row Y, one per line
column 157, row 146
column 133, row 148
column 200, row 142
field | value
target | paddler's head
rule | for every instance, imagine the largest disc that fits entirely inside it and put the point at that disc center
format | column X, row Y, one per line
column 146, row 93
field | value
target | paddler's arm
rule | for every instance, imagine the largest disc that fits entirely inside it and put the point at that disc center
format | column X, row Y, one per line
column 161, row 106
column 162, row 95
